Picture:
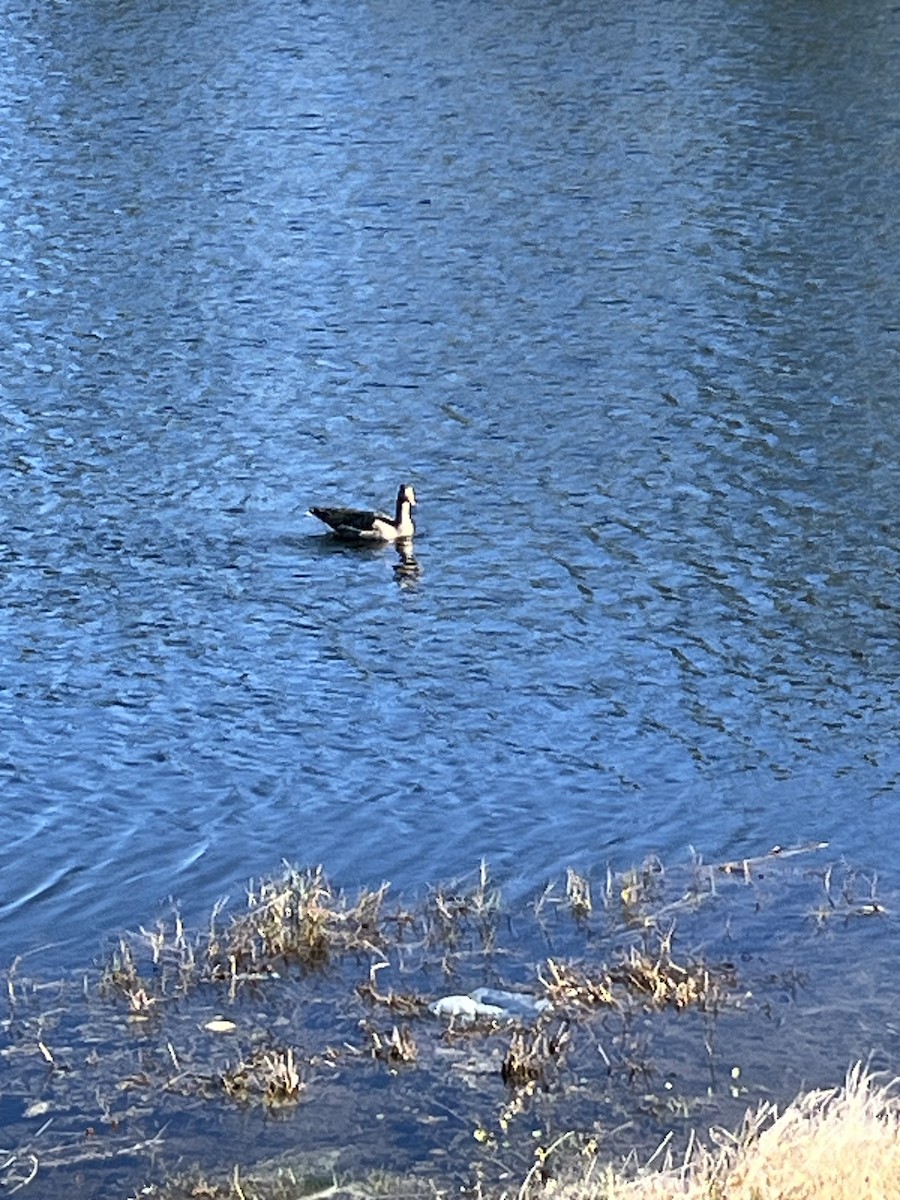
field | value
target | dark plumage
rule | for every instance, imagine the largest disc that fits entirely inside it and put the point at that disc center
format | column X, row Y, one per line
column 361, row 525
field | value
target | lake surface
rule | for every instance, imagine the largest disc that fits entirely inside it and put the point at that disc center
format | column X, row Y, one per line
column 615, row 287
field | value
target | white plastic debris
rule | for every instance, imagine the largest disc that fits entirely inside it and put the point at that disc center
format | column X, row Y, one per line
column 467, row 1008
column 490, row 1002
column 513, row 1004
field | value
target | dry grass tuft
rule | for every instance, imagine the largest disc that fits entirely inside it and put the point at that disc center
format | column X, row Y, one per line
column 649, row 975
column 156, row 964
column 530, row 1053
column 846, row 901
column 657, row 979
column 398, row 1046
column 297, row 917
column 637, row 889
column 569, row 986
column 121, row 976
column 405, row 1004
column 271, row 1074
column 452, row 911
column 578, row 894
column 838, row 1144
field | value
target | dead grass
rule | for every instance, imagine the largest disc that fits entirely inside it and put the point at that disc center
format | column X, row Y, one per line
column 649, row 975
column 297, row 917
column 397, row 1046
column 530, row 1054
column 286, row 1182
column 452, row 911
column 638, row 889
column 578, row 894
column 311, row 961
column 271, row 1074
column 121, row 976
column 153, row 965
column 837, row 1144
column 854, row 895
column 653, row 975
column 404, row 1004
column 570, row 986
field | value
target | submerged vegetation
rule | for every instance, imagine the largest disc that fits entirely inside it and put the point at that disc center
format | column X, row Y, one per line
column 487, row 1029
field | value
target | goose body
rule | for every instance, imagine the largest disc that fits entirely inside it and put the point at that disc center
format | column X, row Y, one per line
column 361, row 525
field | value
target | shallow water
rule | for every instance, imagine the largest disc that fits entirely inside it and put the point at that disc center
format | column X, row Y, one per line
column 614, row 288
column 112, row 1082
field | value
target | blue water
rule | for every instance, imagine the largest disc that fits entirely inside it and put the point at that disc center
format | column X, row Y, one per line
column 613, row 287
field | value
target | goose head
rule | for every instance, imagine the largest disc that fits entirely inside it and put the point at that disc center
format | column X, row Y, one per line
column 406, row 501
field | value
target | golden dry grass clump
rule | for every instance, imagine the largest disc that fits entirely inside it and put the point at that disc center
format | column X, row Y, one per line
column 271, row 1073
column 660, row 981
column 650, row 976
column 836, row 1144
column 292, row 918
column 568, row 985
column 297, row 917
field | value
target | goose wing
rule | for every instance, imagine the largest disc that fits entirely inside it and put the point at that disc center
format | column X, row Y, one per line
column 352, row 520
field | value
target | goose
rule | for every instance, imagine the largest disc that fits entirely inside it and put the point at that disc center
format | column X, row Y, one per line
column 360, row 525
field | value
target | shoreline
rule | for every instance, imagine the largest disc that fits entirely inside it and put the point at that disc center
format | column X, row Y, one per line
column 448, row 1043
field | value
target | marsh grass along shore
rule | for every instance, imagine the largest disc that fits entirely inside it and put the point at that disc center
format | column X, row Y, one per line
column 308, row 1036
column 841, row 1143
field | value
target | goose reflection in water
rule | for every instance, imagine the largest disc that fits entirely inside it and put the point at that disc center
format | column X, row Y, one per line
column 408, row 569
column 376, row 530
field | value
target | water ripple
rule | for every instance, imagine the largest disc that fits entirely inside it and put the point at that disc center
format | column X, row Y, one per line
column 617, row 295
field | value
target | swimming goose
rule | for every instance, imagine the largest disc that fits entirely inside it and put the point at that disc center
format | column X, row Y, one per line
column 358, row 525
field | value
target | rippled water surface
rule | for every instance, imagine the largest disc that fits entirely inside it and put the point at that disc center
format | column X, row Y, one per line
column 615, row 286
